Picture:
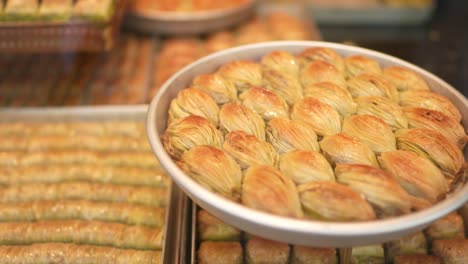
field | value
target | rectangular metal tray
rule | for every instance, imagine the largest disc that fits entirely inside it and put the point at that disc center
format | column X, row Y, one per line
column 176, row 213
column 190, row 256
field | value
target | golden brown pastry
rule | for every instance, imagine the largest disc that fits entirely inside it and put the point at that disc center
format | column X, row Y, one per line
column 357, row 64
column 451, row 251
column 286, row 135
column 435, row 147
column 384, row 108
column 379, row 188
column 322, row 117
column 311, row 255
column 330, row 201
column 219, row 41
column 335, row 96
column 368, row 254
column 254, row 31
column 438, row 121
column 281, row 75
column 214, row 170
column 266, row 189
column 404, row 79
column 234, row 117
column 417, row 175
column 69, row 253
column 188, row 132
column 429, row 100
column 370, row 130
column 341, row 148
column 213, row 229
column 193, row 101
column 248, row 150
column 220, row 252
column 259, row 250
column 303, row 166
column 409, row 244
column 216, row 87
column 367, row 84
column 82, row 232
column 285, row 26
column 416, row 259
column 265, row 103
column 321, row 54
column 241, row 74
column 321, row 71
column 447, row 227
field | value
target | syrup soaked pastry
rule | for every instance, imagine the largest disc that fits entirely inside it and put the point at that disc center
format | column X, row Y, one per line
column 341, row 148
column 385, row 109
column 265, row 103
column 286, row 135
column 447, row 227
column 193, row 101
column 429, row 100
column 239, row 117
column 335, row 96
column 303, row 166
column 241, row 74
column 321, row 54
column 216, row 87
column 357, row 64
column 367, row 84
column 405, row 79
column 321, row 71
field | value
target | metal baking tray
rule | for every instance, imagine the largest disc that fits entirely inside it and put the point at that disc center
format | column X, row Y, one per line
column 177, row 201
column 176, row 23
column 191, row 237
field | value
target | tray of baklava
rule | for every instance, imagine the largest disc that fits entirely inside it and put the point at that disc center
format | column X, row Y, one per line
column 214, row 242
column 80, row 185
column 59, row 25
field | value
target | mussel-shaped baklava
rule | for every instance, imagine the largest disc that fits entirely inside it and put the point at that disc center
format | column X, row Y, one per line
column 281, row 75
column 337, row 97
column 379, row 188
column 233, row 116
column 248, row 150
column 322, row 117
column 357, row 64
column 437, row 121
column 303, row 166
column 435, row 147
column 216, row 87
column 429, row 100
column 385, row 109
column 214, row 170
column 321, row 54
column 193, row 101
column 321, row 71
column 188, row 132
column 416, row 174
column 241, row 74
column 330, row 201
column 286, row 135
column 404, row 79
column 341, row 148
column 367, row 84
column 267, row 189
column 371, row 130
column 265, row 103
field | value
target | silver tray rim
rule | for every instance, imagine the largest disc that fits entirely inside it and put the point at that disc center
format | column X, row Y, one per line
column 295, row 231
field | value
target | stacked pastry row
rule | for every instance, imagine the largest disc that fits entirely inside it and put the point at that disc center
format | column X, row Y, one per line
column 318, row 136
column 81, row 192
column 184, row 6
column 178, row 52
column 442, row 242
column 53, row 10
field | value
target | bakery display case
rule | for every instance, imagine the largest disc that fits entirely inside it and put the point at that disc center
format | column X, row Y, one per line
column 79, row 182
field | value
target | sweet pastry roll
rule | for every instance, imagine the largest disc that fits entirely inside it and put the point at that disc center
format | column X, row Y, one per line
column 335, row 96
column 379, row 189
column 330, row 201
column 368, row 254
column 303, row 166
column 321, row 71
column 216, row 87
column 259, row 250
column 431, row 101
column 266, row 189
column 188, row 132
column 220, row 252
column 248, row 150
column 404, row 79
column 265, row 103
column 193, row 101
column 233, row 116
column 383, row 108
column 213, row 169
column 372, row 131
column 416, row 174
column 322, row 117
column 241, row 74
column 409, row 244
column 304, row 255
column 367, row 84
column 341, row 148
column 286, row 135
column 357, row 64
column 213, row 229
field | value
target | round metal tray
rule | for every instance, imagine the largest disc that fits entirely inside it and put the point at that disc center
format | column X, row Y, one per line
column 302, row 232
column 177, row 23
